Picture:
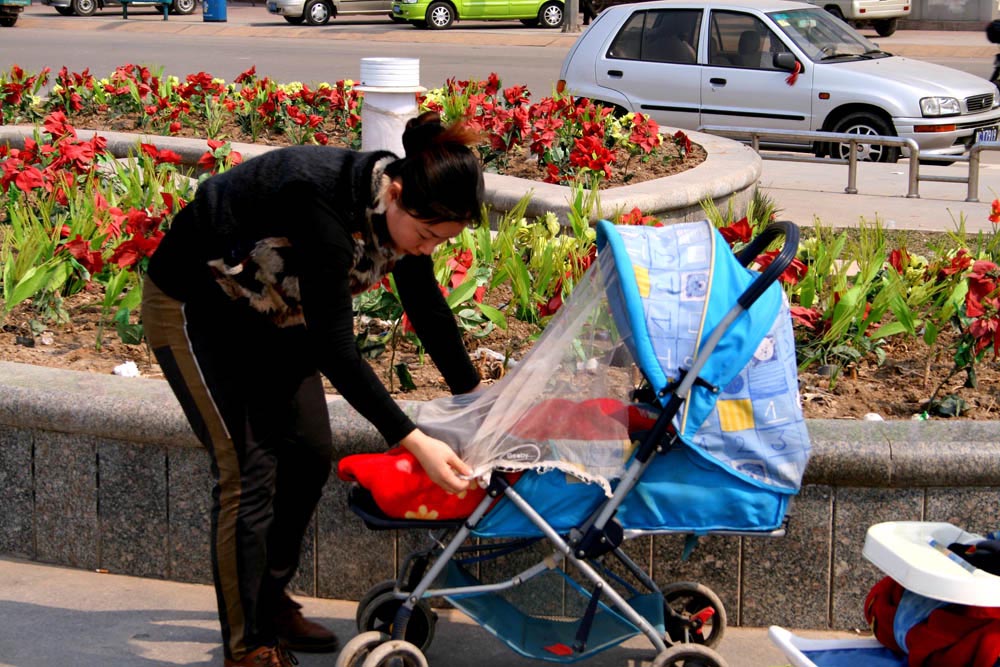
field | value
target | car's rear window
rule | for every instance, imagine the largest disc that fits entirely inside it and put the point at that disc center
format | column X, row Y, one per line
column 662, row 36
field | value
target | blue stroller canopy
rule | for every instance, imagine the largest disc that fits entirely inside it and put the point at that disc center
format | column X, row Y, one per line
column 668, row 288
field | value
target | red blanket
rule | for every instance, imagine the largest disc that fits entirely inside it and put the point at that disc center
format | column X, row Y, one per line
column 951, row 636
column 402, row 490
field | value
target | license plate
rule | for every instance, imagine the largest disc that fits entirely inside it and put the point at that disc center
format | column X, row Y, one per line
column 986, row 134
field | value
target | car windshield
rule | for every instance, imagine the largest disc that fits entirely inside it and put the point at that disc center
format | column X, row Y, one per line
column 822, row 37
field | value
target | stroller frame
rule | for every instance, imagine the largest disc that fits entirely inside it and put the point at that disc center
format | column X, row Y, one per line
column 599, row 535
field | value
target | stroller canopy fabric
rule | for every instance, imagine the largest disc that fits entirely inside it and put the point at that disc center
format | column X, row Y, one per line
column 643, row 310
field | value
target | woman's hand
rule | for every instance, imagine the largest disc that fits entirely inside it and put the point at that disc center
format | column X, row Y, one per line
column 438, row 460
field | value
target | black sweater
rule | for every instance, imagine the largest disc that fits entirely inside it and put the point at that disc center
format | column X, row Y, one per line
column 294, row 233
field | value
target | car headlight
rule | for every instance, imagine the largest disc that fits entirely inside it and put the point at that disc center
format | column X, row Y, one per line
column 940, row 106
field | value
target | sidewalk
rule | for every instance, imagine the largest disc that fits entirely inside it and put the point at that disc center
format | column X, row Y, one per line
column 60, row 617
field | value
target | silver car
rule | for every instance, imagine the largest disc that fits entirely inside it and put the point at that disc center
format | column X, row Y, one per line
column 319, row 12
column 774, row 64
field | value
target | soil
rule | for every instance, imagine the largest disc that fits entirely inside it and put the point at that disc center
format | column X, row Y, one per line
column 897, row 389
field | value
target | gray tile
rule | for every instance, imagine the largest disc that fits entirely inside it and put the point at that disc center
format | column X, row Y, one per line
column 976, row 510
column 132, row 501
column 66, row 500
column 855, row 509
column 17, row 531
column 190, row 503
column 786, row 580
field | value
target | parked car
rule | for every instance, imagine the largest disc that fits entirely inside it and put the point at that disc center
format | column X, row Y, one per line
column 10, row 10
column 319, row 12
column 89, row 7
column 440, row 14
column 883, row 15
column 774, row 64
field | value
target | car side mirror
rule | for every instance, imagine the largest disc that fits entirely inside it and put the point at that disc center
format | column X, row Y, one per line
column 785, row 60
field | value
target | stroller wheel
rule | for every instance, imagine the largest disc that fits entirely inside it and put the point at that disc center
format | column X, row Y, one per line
column 378, row 589
column 356, row 651
column 380, row 613
column 396, row 653
column 686, row 655
column 693, row 614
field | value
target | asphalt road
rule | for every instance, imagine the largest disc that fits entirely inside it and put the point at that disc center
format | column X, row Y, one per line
column 252, row 36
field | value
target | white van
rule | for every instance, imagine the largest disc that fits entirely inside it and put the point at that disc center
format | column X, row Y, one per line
column 883, row 15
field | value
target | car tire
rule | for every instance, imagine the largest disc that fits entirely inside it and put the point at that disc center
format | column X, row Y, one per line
column 550, row 15
column 866, row 123
column 84, row 7
column 183, row 7
column 7, row 21
column 886, row 27
column 65, row 11
column 295, row 20
column 440, row 15
column 835, row 11
column 317, row 12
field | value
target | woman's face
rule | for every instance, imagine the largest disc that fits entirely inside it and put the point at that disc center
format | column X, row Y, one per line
column 412, row 235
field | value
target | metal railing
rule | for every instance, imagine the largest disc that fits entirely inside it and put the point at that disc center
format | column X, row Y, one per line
column 972, row 177
column 755, row 135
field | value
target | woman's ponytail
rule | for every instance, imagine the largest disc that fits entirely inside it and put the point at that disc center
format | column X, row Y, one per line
column 442, row 177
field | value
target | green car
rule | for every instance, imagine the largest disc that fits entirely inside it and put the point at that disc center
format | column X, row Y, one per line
column 440, row 14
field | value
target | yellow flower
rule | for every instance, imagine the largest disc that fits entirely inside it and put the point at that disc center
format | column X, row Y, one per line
column 422, row 514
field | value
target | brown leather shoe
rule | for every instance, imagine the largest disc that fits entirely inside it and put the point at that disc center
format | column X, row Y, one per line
column 265, row 656
column 298, row 633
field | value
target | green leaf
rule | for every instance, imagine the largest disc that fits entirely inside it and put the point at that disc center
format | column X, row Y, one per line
column 130, row 334
column 406, row 382
column 462, row 293
column 494, row 315
column 31, row 283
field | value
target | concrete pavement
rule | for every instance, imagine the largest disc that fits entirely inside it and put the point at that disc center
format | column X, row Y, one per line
column 60, row 617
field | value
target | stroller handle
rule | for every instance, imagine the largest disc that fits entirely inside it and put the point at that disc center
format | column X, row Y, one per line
column 790, row 231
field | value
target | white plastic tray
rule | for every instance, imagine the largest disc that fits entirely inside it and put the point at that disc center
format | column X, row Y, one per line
column 914, row 553
column 795, row 647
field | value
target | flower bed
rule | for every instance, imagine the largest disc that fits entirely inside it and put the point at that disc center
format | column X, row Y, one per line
column 78, row 222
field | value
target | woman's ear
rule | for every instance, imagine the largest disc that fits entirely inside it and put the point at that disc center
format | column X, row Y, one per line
column 395, row 190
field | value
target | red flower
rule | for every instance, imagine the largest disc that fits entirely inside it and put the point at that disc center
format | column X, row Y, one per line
column 128, row 253
column 29, row 179
column 960, row 262
column 738, row 231
column 80, row 249
column 899, row 259
column 807, row 317
column 995, row 211
column 683, row 142
column 590, row 153
column 635, row 217
column 551, row 306
column 459, row 263
column 983, row 281
column 795, row 272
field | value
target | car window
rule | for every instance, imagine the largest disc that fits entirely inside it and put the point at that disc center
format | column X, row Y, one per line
column 660, row 36
column 742, row 40
column 821, row 36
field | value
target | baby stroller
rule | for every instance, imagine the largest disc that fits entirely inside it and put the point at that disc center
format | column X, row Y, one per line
column 662, row 398
column 919, row 557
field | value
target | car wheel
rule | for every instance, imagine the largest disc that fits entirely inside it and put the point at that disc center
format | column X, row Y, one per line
column 295, row 20
column 65, row 11
column 84, row 7
column 886, row 27
column 317, row 12
column 440, row 15
column 866, row 124
column 183, row 7
column 836, row 12
column 7, row 21
column 550, row 15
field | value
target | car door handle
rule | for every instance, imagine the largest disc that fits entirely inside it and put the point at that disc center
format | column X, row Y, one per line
column 615, row 73
column 716, row 81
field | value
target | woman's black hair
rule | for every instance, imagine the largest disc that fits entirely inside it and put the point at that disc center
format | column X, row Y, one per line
column 442, row 177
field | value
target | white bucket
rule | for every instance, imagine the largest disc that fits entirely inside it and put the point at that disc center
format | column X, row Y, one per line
column 390, row 86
